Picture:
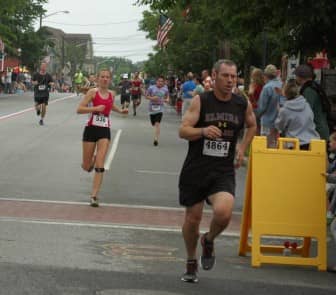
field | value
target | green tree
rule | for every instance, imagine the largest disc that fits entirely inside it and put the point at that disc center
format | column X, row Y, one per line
column 76, row 56
column 256, row 32
column 16, row 27
column 32, row 45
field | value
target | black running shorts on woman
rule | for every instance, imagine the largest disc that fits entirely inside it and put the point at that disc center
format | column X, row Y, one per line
column 94, row 133
column 98, row 125
column 209, row 167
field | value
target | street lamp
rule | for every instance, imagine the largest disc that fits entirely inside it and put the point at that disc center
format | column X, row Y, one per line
column 47, row 15
column 19, row 50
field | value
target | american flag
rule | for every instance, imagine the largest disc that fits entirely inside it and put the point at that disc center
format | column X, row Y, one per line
column 165, row 25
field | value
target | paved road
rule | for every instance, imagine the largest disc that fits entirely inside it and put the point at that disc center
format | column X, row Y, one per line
column 51, row 242
column 140, row 173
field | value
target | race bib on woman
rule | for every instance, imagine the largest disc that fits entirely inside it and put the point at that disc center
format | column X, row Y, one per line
column 100, row 121
column 216, row 148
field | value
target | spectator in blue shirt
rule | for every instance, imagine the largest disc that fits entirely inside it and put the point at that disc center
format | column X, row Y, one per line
column 268, row 105
column 187, row 90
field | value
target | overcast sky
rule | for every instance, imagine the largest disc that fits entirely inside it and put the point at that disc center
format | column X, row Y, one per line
column 113, row 25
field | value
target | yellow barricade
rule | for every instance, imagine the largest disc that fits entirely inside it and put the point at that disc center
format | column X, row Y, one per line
column 285, row 199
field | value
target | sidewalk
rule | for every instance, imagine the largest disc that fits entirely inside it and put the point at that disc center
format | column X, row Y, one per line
column 117, row 216
column 160, row 218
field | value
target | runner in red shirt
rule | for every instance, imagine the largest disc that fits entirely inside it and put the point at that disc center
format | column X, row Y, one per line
column 136, row 91
column 98, row 103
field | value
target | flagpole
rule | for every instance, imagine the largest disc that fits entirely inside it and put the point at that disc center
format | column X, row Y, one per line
column 2, row 48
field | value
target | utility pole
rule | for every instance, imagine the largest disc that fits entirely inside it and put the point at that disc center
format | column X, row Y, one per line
column 63, row 53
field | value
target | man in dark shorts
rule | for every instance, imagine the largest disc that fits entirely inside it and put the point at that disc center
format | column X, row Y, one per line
column 212, row 125
column 157, row 95
column 125, row 86
column 136, row 92
column 42, row 82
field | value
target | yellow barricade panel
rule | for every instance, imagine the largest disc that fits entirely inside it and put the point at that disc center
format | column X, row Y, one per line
column 285, row 196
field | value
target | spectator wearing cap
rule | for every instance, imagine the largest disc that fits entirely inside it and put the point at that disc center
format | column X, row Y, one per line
column 187, row 90
column 268, row 106
column 304, row 77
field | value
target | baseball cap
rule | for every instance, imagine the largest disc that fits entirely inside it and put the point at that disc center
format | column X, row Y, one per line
column 304, row 71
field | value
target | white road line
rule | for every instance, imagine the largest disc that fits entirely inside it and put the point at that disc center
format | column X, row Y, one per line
column 157, row 172
column 131, row 227
column 107, row 205
column 62, row 98
column 16, row 114
column 32, row 108
column 103, row 225
column 113, row 150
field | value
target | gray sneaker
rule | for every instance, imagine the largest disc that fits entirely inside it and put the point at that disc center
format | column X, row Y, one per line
column 208, row 258
column 94, row 202
column 190, row 276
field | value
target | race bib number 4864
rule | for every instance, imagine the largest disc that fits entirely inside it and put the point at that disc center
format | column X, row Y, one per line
column 100, row 121
column 216, row 148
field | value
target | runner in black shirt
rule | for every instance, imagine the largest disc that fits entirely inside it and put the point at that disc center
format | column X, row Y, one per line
column 42, row 82
column 212, row 125
column 125, row 91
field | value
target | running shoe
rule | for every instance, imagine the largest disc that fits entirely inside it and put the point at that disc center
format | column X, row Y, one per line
column 190, row 276
column 155, row 143
column 94, row 202
column 41, row 122
column 208, row 258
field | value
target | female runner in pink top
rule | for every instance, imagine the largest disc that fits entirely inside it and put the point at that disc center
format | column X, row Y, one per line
column 98, row 103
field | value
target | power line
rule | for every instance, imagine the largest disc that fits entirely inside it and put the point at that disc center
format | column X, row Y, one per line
column 102, row 24
column 122, row 42
column 120, row 37
column 123, row 51
column 145, row 46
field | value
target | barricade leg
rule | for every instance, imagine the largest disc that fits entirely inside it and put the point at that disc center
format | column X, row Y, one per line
column 306, row 246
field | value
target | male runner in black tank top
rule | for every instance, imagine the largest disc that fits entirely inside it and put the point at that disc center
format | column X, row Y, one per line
column 212, row 125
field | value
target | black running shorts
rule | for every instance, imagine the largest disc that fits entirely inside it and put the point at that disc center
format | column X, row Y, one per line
column 193, row 193
column 124, row 98
column 155, row 118
column 94, row 133
column 41, row 100
column 136, row 96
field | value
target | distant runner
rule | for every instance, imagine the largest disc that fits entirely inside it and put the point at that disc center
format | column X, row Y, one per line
column 136, row 92
column 157, row 95
column 125, row 87
column 79, row 80
column 42, row 82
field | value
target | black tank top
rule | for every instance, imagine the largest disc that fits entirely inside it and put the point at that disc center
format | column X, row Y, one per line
column 207, row 156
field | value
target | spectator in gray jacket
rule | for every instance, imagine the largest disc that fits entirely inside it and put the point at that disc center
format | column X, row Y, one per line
column 332, row 268
column 295, row 119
